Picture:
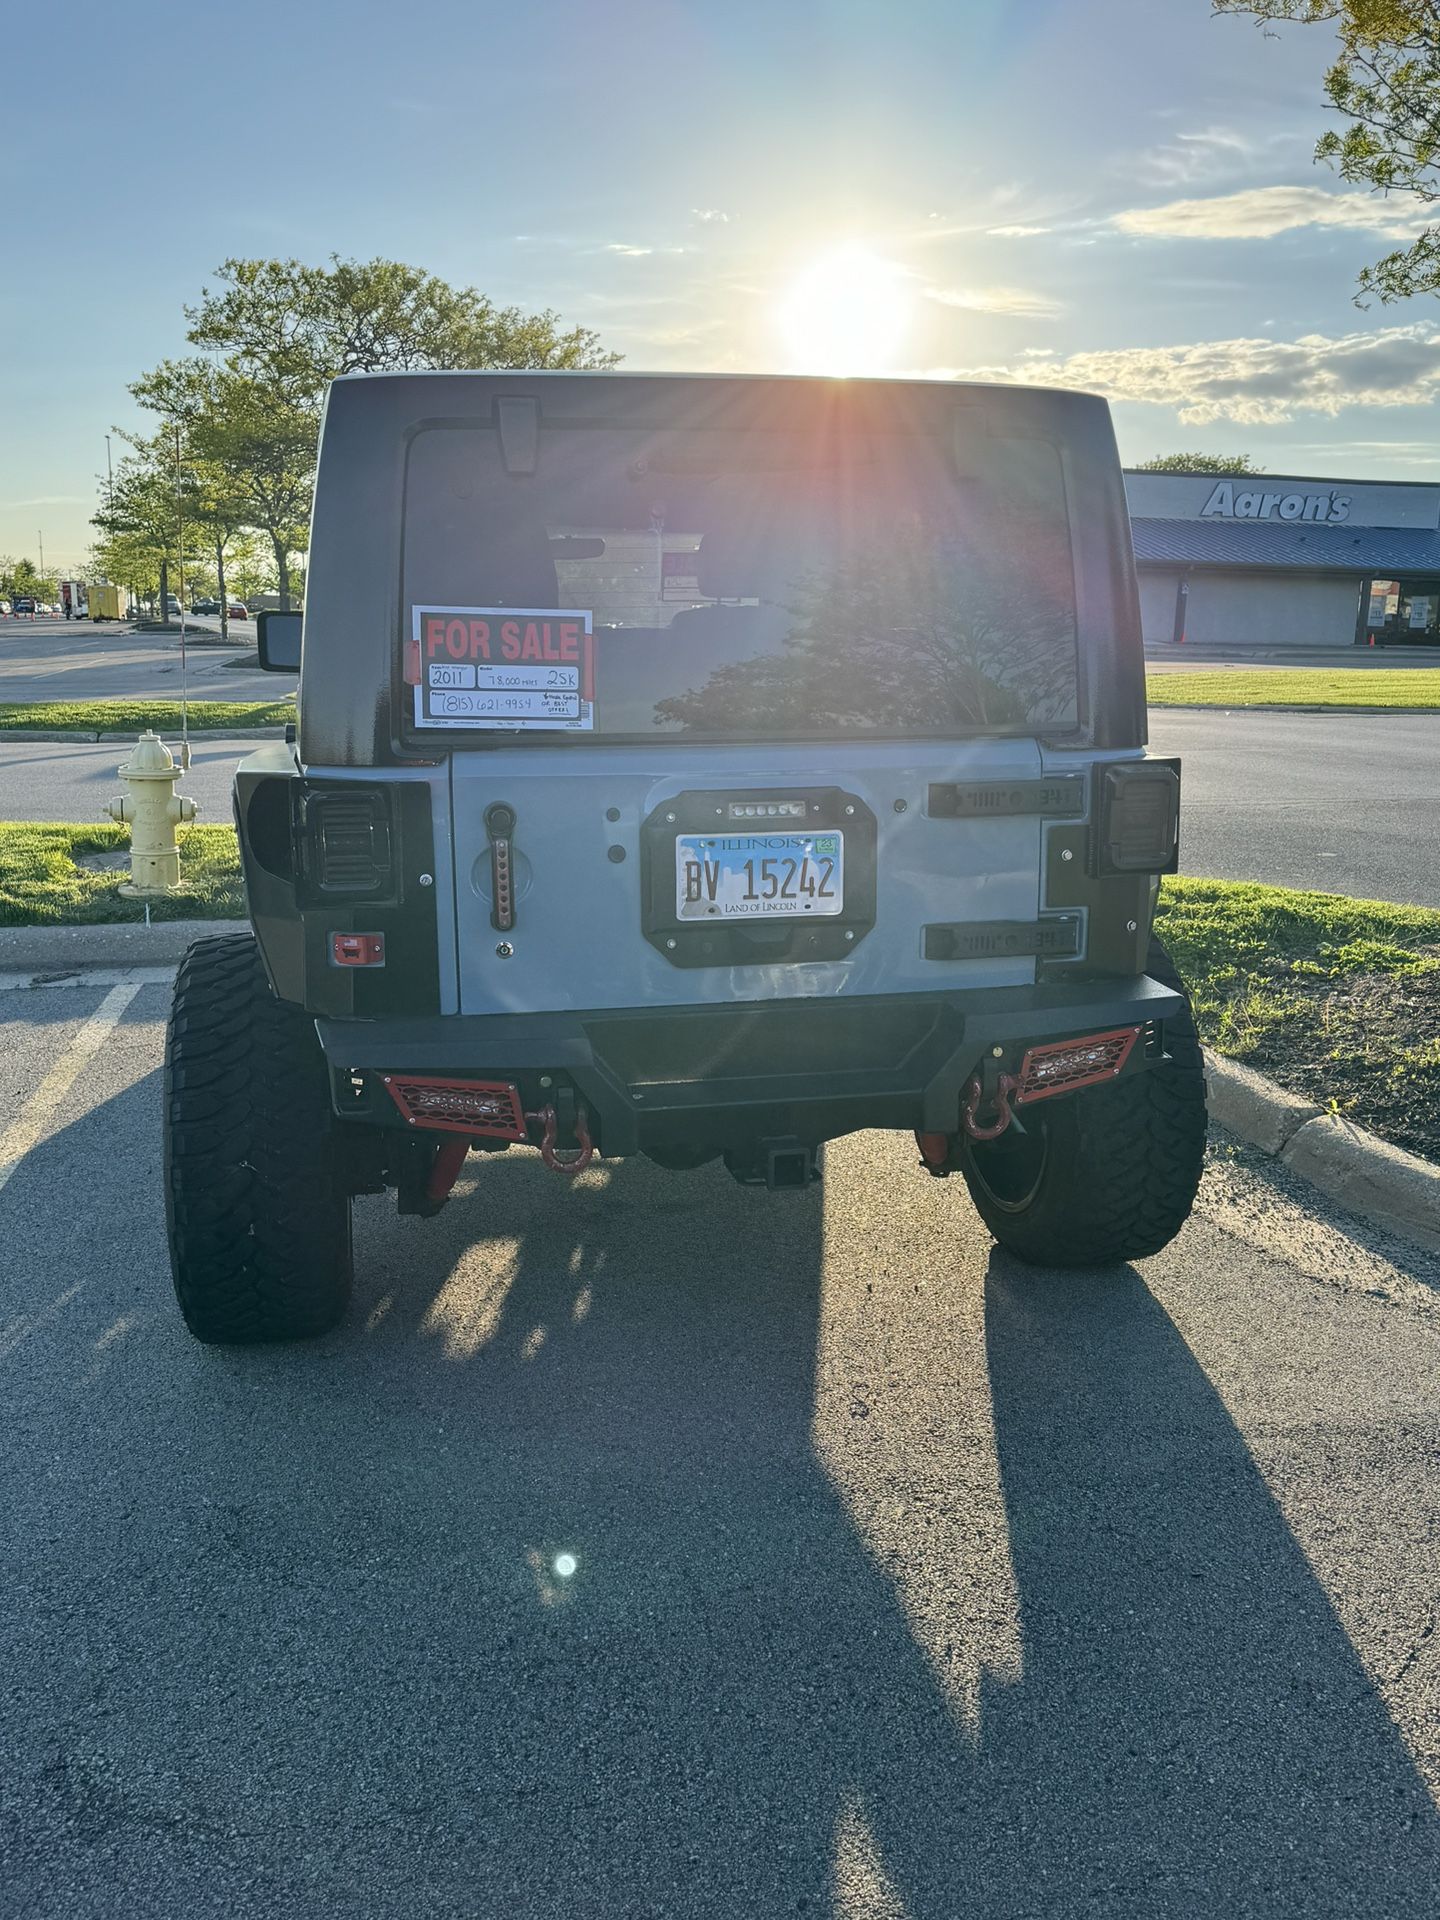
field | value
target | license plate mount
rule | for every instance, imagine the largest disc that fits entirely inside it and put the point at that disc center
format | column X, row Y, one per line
column 708, row 897
column 759, row 876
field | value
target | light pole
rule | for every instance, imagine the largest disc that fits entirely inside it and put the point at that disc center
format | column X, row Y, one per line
column 109, row 477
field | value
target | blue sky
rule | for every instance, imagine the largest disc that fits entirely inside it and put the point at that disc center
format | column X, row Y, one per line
column 1111, row 193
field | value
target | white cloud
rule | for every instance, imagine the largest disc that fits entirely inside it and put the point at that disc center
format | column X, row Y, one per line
column 1259, row 213
column 1204, row 154
column 625, row 251
column 1014, row 300
column 712, row 216
column 1385, row 453
column 1014, row 233
column 1252, row 382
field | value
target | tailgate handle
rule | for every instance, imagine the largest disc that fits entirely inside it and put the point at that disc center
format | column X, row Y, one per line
column 1061, row 795
column 500, row 827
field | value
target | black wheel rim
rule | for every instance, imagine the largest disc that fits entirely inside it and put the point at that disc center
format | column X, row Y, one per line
column 1011, row 1168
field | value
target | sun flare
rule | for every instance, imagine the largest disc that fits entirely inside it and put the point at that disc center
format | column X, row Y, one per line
column 848, row 312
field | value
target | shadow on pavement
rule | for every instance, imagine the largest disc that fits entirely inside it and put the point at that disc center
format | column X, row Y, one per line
column 293, row 1625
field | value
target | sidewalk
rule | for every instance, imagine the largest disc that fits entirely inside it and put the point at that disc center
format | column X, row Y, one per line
column 1190, row 658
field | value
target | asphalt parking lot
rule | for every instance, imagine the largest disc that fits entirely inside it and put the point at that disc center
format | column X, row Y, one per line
column 46, row 659
column 905, row 1581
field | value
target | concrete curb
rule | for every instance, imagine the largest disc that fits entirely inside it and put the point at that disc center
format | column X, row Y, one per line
column 1222, row 706
column 69, row 949
column 89, row 736
column 1396, row 1190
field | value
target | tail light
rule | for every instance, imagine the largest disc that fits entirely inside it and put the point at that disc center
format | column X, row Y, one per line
column 1064, row 1066
column 345, row 841
column 1139, row 817
column 488, row 1107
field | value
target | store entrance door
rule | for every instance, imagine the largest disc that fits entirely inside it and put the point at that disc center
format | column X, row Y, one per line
column 1399, row 613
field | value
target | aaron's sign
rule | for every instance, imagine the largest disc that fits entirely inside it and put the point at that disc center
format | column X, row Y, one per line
column 1229, row 502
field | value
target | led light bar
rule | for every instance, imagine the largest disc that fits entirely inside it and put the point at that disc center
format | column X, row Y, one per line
column 1064, row 1066
column 768, row 809
column 490, row 1108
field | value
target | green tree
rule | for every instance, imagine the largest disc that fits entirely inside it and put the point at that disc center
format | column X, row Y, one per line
column 254, row 448
column 22, row 579
column 126, row 561
column 1385, row 85
column 249, row 571
column 1197, row 463
column 143, row 514
column 276, row 332
column 295, row 328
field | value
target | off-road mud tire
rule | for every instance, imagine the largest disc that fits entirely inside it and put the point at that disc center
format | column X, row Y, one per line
column 1120, row 1164
column 256, row 1203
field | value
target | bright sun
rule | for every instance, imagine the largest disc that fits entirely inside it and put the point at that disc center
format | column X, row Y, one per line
column 847, row 313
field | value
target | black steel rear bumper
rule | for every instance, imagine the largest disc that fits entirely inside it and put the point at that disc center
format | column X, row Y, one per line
column 724, row 1076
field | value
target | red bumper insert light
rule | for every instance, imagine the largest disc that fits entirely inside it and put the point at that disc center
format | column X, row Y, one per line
column 357, row 949
column 488, row 1107
column 1064, row 1066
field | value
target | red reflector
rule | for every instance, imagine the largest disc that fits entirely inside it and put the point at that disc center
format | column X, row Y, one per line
column 489, row 1107
column 357, row 949
column 1063, row 1066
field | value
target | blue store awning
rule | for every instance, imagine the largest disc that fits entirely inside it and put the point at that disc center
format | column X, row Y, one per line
column 1287, row 546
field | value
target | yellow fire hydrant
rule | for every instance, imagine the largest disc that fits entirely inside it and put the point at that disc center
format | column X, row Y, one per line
column 152, row 810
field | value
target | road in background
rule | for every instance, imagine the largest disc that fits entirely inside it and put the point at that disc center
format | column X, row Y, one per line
column 72, row 780
column 77, row 660
column 905, row 1579
column 1347, row 803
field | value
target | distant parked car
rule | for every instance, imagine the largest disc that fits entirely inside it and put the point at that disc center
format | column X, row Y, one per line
column 207, row 607
column 22, row 605
column 238, row 610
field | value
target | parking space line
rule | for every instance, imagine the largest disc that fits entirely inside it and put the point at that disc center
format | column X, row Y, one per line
column 91, row 977
column 30, row 1125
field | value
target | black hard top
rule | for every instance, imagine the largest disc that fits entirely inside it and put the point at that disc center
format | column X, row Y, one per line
column 355, row 622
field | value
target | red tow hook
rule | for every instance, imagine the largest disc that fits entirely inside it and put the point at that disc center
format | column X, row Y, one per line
column 567, row 1163
column 934, row 1153
column 445, row 1168
column 1004, row 1087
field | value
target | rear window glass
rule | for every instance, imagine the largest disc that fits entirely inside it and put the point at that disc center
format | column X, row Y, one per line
column 755, row 584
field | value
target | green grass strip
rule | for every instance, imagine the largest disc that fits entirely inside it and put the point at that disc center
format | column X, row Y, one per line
column 45, row 881
column 1378, row 687
column 133, row 716
column 1337, row 999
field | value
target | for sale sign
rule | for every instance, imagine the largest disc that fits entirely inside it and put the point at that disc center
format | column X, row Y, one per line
column 503, row 669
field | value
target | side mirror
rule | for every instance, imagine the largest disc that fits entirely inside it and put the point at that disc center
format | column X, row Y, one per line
column 277, row 635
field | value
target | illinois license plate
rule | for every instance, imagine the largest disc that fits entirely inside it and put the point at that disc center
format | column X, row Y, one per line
column 758, row 876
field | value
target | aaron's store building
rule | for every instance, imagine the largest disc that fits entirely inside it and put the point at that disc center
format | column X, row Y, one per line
column 1263, row 560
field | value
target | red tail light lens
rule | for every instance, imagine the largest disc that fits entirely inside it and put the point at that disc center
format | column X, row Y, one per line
column 357, row 949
